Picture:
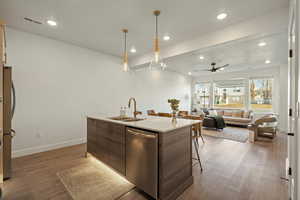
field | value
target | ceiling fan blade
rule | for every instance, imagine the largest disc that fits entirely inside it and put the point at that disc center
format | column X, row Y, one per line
column 222, row 67
column 227, row 65
column 206, row 70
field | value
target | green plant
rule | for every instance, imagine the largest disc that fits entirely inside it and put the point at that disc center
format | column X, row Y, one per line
column 174, row 103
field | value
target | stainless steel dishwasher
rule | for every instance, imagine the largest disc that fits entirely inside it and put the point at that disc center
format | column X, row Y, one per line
column 142, row 160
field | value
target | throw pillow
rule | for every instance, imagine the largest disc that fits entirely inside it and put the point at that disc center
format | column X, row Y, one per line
column 213, row 113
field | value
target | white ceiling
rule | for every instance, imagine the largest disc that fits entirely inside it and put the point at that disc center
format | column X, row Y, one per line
column 241, row 55
column 97, row 24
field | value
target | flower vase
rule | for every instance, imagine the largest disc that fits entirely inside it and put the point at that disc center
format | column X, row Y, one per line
column 174, row 114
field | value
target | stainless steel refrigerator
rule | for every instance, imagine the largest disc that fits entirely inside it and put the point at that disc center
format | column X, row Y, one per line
column 8, row 112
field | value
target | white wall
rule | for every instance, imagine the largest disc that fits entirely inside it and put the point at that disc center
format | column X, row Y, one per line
column 283, row 83
column 280, row 92
column 58, row 83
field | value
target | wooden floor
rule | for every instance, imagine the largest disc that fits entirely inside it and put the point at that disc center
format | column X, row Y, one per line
column 232, row 171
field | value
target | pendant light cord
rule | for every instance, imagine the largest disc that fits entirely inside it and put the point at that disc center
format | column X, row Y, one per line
column 156, row 27
column 125, row 42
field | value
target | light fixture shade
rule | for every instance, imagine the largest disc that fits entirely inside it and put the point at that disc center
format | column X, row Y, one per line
column 157, row 62
column 125, row 53
column 125, row 63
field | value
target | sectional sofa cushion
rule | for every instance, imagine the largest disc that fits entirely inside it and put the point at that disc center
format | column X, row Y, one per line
column 239, row 113
column 228, row 113
column 220, row 112
column 237, row 120
column 237, row 117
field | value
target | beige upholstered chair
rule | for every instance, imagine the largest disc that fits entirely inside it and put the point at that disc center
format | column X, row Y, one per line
column 151, row 112
column 197, row 128
column 265, row 127
column 183, row 113
column 165, row 114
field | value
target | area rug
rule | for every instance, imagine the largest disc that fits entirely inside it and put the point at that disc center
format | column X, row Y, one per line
column 229, row 133
column 97, row 183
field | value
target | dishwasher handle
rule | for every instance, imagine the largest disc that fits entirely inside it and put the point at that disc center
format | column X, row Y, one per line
column 153, row 136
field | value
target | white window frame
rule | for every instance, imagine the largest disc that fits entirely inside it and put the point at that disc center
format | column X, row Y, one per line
column 247, row 100
column 249, row 97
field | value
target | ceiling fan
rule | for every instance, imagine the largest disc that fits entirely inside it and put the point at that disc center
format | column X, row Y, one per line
column 216, row 69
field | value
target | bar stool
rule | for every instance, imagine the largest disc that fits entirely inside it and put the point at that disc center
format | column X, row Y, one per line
column 196, row 146
column 197, row 127
column 196, row 131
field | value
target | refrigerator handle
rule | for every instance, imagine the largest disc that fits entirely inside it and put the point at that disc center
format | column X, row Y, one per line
column 14, row 99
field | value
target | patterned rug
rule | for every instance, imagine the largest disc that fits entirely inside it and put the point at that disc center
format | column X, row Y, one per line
column 94, row 182
column 229, row 133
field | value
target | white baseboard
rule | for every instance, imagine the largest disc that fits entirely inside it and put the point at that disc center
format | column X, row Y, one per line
column 38, row 149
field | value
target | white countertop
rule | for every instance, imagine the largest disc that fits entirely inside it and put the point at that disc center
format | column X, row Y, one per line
column 153, row 123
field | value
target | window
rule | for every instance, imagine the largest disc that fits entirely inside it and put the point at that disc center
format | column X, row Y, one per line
column 261, row 94
column 229, row 94
column 255, row 94
column 201, row 95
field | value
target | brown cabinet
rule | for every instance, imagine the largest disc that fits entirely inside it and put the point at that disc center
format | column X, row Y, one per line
column 106, row 141
column 2, row 43
column 175, row 162
column 2, row 62
column 159, row 163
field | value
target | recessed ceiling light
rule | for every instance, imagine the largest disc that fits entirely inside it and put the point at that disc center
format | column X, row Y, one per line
column 51, row 22
column 221, row 16
column 190, row 73
column 267, row 61
column 166, row 38
column 133, row 50
column 201, row 57
column 261, row 44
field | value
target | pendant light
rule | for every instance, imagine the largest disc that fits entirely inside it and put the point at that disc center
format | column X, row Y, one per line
column 157, row 62
column 125, row 54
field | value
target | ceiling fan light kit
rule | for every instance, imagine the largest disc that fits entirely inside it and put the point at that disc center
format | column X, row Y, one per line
column 216, row 69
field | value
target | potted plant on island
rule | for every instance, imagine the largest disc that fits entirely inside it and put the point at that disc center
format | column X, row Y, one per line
column 174, row 103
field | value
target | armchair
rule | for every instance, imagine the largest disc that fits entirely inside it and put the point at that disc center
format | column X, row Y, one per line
column 183, row 113
column 265, row 127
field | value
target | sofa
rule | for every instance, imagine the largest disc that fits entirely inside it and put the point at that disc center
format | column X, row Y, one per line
column 216, row 122
column 234, row 117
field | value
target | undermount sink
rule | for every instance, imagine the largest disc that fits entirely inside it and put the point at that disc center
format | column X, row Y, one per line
column 126, row 119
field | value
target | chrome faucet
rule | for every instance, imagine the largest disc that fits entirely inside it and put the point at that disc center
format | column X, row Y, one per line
column 135, row 113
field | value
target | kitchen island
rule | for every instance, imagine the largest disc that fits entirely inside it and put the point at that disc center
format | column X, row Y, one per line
column 154, row 153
